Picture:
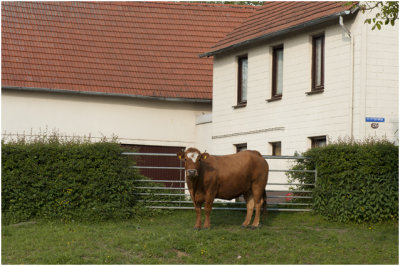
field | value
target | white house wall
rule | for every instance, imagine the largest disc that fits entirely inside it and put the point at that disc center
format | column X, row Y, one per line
column 376, row 78
column 133, row 121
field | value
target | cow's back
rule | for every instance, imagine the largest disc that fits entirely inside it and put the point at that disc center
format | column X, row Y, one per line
column 236, row 173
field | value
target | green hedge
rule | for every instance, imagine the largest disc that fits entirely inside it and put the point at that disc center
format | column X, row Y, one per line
column 357, row 181
column 67, row 180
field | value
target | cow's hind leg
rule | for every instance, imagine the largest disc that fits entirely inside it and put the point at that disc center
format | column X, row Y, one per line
column 250, row 207
column 258, row 202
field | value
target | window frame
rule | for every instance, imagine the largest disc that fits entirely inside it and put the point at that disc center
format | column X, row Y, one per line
column 274, row 146
column 241, row 147
column 240, row 101
column 314, row 86
column 274, row 94
column 315, row 140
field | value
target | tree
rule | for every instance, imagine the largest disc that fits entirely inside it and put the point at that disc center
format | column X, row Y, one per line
column 388, row 13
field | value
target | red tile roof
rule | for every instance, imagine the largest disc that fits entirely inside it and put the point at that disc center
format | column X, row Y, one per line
column 130, row 48
column 275, row 17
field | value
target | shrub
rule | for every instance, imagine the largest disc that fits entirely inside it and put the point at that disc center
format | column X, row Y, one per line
column 357, row 181
column 54, row 178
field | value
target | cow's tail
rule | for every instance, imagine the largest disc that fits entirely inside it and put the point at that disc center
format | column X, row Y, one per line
column 265, row 210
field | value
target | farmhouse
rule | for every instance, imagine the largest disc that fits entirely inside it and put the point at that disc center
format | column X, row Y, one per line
column 295, row 75
column 279, row 78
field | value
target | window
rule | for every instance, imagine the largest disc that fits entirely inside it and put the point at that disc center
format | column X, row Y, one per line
column 277, row 72
column 318, row 141
column 276, row 148
column 242, row 80
column 318, row 54
column 241, row 147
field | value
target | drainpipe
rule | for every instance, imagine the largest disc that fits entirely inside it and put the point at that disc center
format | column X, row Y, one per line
column 347, row 31
column 343, row 26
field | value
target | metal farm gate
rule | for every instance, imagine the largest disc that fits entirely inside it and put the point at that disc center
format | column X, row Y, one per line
column 173, row 194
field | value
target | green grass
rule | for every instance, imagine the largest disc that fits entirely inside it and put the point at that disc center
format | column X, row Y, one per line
column 285, row 238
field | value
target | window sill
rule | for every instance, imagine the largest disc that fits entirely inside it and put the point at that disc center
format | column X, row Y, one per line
column 315, row 91
column 239, row 105
column 274, row 98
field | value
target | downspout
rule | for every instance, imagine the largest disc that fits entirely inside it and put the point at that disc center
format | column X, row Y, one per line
column 346, row 30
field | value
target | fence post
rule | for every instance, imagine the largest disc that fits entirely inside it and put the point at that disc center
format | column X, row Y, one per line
column 316, row 176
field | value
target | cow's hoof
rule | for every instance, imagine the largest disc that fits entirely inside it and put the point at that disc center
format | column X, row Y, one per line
column 255, row 227
column 197, row 228
column 206, row 228
column 244, row 226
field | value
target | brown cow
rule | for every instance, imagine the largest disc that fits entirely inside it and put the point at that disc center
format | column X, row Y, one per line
column 226, row 177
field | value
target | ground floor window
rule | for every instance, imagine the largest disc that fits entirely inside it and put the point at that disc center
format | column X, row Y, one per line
column 319, row 141
column 241, row 147
column 276, row 148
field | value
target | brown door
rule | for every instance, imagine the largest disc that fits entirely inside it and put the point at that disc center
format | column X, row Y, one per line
column 159, row 161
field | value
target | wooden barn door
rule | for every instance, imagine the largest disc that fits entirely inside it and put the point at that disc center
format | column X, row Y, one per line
column 159, row 161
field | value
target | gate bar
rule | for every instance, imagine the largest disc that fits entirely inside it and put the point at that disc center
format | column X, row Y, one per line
column 288, row 157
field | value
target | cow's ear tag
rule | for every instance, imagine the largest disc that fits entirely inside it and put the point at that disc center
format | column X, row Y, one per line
column 180, row 155
column 204, row 156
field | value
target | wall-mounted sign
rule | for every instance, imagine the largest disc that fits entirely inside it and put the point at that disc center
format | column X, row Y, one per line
column 375, row 119
column 374, row 125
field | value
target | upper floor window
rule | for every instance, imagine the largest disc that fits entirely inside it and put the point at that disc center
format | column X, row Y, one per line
column 242, row 80
column 277, row 72
column 318, row 54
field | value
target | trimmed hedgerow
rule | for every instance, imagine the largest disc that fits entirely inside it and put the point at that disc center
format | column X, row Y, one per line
column 357, row 181
column 55, row 179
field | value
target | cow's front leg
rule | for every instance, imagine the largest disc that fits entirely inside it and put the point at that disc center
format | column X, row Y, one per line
column 197, row 207
column 207, row 212
column 207, row 209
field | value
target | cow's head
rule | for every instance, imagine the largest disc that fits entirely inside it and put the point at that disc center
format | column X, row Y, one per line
column 192, row 158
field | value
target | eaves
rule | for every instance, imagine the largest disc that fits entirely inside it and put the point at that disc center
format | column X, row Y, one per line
column 94, row 93
column 278, row 33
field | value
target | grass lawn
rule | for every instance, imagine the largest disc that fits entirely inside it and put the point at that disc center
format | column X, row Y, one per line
column 285, row 238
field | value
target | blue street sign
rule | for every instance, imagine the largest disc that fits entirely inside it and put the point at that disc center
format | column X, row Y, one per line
column 374, row 119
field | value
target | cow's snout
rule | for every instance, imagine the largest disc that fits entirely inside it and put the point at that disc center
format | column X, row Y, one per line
column 192, row 172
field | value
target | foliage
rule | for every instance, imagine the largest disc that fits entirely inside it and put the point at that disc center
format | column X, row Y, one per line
column 70, row 179
column 357, row 181
column 388, row 12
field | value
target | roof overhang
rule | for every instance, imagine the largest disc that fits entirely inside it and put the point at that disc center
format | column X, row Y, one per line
column 275, row 34
column 94, row 93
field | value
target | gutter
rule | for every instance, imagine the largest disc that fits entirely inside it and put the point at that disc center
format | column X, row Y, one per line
column 93, row 93
column 277, row 33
